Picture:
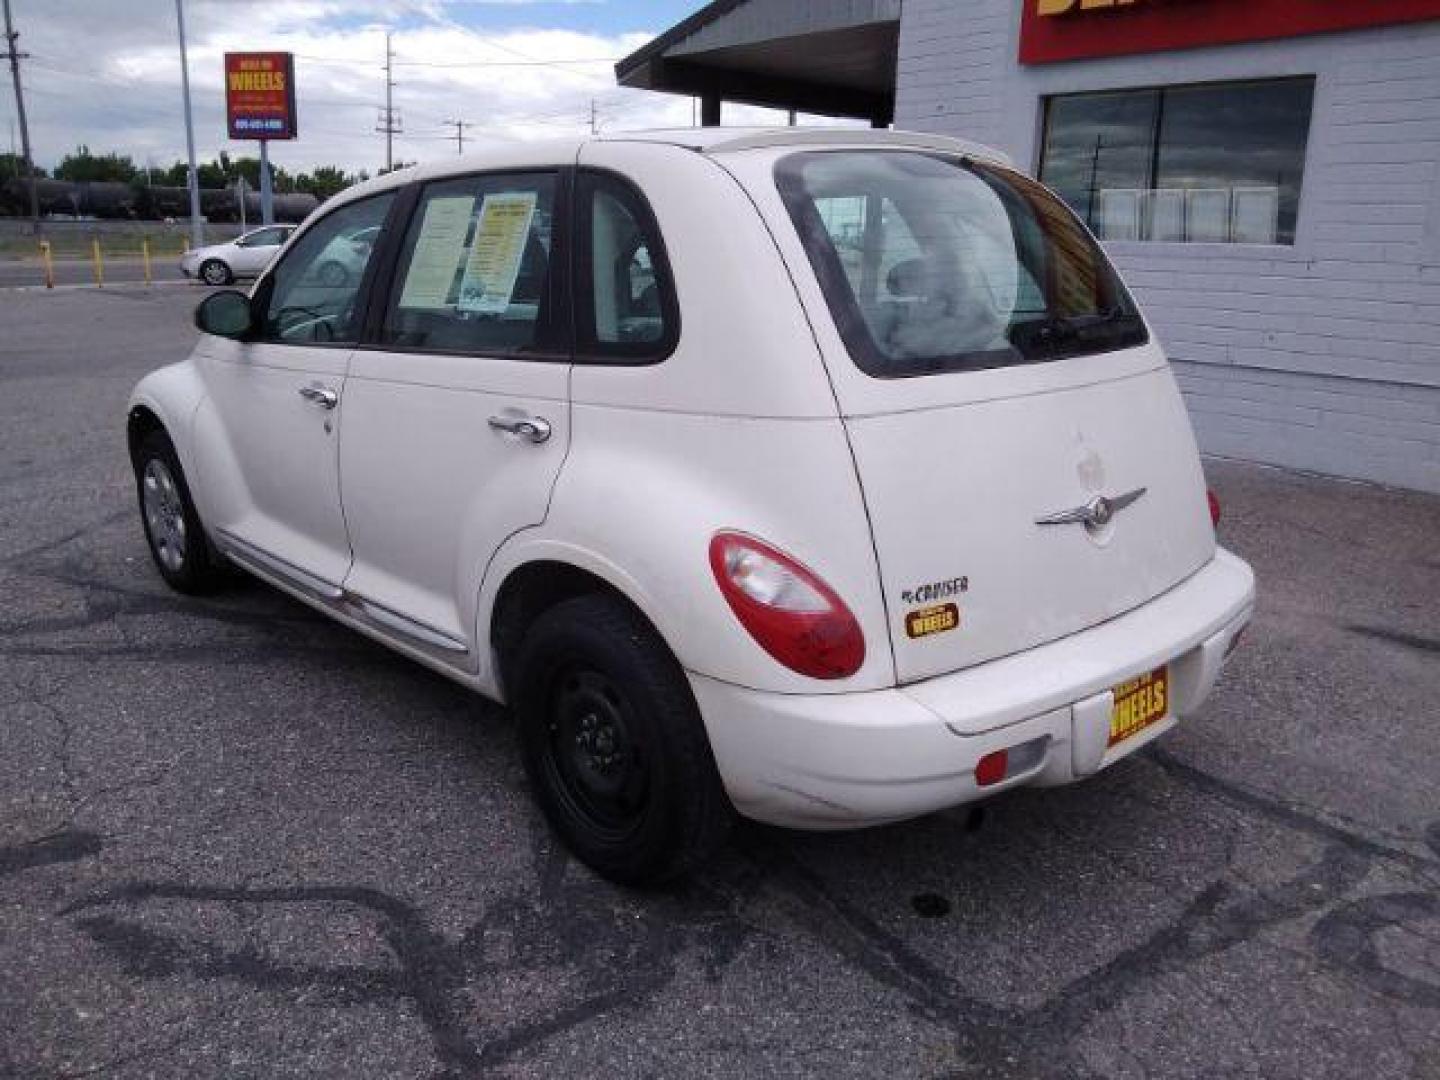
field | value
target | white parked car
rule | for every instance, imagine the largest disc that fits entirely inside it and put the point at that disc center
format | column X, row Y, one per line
column 244, row 257
column 830, row 477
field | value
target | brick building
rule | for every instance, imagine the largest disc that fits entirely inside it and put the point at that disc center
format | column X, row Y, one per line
column 1266, row 174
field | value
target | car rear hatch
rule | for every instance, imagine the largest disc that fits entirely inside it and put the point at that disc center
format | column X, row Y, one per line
column 1026, row 459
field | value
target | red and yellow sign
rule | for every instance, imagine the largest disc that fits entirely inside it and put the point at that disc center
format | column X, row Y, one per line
column 260, row 95
column 1052, row 30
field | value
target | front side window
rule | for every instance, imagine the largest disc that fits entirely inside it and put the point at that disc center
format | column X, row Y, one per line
column 1213, row 163
column 475, row 271
column 265, row 238
column 312, row 295
column 626, row 305
column 934, row 264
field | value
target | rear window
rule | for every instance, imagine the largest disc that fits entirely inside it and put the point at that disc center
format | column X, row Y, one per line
column 934, row 264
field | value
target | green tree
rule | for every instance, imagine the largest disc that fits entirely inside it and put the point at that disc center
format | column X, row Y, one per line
column 12, row 167
column 83, row 165
column 176, row 175
column 325, row 181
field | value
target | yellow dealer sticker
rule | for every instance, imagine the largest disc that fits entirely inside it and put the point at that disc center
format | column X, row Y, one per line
column 932, row 620
column 1139, row 703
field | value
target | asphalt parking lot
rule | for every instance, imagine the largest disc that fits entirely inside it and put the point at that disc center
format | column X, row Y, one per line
column 238, row 840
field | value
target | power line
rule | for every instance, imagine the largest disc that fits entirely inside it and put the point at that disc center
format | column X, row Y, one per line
column 341, row 61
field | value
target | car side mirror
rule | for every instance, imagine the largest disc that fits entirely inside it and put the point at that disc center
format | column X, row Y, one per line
column 225, row 314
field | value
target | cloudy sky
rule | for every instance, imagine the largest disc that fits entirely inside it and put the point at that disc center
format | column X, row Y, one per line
column 107, row 73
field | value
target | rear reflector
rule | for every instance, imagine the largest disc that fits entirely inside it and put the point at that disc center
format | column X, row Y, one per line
column 1214, row 507
column 991, row 768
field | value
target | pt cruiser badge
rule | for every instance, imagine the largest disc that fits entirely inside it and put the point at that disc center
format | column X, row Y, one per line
column 1095, row 514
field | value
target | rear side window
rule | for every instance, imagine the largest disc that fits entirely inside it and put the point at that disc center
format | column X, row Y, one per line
column 935, row 264
column 474, row 273
column 625, row 297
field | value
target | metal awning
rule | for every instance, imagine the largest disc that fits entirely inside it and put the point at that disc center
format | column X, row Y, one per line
column 829, row 57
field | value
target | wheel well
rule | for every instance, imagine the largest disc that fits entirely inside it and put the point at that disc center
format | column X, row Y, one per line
column 140, row 424
column 529, row 592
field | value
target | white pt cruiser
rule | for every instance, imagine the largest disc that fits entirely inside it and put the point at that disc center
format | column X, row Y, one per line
column 827, row 477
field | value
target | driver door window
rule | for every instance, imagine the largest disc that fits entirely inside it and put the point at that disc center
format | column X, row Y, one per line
column 311, row 297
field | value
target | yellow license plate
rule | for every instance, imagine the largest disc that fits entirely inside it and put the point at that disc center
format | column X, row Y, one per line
column 1139, row 703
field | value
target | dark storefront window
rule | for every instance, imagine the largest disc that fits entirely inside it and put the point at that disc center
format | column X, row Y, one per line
column 1216, row 163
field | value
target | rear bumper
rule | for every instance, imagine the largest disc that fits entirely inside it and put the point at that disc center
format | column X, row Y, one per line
column 848, row 760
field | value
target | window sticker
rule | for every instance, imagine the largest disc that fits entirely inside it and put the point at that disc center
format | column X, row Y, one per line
column 495, row 255
column 439, row 250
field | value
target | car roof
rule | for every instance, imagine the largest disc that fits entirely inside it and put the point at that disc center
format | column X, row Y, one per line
column 705, row 140
column 724, row 140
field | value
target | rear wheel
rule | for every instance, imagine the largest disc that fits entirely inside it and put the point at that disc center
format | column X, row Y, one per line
column 215, row 272
column 614, row 745
column 333, row 274
column 173, row 530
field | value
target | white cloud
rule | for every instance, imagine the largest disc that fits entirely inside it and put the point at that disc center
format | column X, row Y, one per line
column 107, row 74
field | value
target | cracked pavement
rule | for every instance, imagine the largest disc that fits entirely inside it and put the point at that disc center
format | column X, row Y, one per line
column 238, row 840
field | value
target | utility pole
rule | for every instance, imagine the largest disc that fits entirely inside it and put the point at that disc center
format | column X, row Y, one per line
column 389, row 122
column 11, row 50
column 459, row 126
column 592, row 116
column 197, row 235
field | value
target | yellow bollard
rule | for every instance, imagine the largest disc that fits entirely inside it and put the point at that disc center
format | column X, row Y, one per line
column 48, row 263
column 99, row 262
column 145, row 252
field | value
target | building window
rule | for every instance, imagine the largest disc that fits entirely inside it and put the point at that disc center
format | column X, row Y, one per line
column 1217, row 163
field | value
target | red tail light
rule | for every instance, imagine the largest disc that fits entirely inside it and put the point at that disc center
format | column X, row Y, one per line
column 792, row 614
column 1214, row 507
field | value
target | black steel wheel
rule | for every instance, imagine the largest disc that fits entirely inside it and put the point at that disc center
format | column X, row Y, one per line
column 614, row 745
column 333, row 274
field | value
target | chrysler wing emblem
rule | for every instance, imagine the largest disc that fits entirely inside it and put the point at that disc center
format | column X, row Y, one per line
column 1094, row 514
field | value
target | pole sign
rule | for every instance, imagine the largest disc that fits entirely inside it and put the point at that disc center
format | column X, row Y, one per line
column 260, row 95
column 1053, row 30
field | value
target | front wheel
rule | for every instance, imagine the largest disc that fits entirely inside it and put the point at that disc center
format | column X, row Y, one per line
column 215, row 272
column 333, row 275
column 614, row 745
column 173, row 530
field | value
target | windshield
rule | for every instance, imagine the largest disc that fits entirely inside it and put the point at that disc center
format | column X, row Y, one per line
column 934, row 263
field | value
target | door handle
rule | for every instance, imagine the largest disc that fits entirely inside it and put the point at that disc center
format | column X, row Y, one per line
column 535, row 428
column 322, row 396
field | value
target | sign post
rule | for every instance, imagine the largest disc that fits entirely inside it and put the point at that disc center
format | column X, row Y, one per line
column 260, row 105
column 267, row 196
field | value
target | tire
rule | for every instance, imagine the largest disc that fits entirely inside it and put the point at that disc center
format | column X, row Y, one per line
column 173, row 531
column 333, row 275
column 614, row 745
column 215, row 272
